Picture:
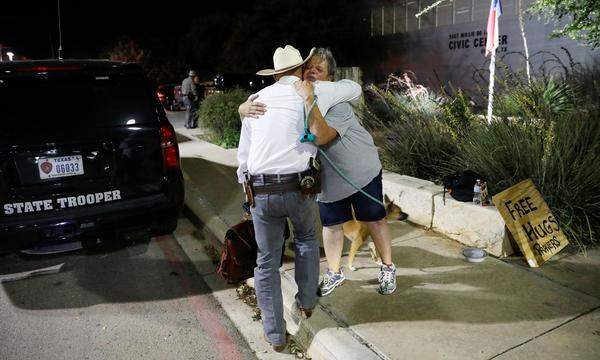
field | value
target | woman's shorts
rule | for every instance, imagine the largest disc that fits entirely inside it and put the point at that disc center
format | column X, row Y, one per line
column 365, row 209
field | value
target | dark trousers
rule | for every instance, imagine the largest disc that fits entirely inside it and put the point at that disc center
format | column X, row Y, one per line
column 191, row 120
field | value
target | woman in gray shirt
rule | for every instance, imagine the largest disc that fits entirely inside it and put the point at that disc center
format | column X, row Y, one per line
column 346, row 142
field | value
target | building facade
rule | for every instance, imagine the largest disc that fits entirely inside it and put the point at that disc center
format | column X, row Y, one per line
column 447, row 43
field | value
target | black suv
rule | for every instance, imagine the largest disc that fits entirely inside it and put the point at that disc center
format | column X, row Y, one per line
column 85, row 149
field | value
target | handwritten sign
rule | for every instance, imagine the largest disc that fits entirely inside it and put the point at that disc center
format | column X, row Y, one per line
column 531, row 222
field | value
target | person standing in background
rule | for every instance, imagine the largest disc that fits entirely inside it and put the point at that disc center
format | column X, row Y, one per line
column 188, row 90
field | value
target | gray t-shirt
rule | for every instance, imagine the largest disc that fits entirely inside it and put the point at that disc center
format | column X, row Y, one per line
column 353, row 152
column 187, row 86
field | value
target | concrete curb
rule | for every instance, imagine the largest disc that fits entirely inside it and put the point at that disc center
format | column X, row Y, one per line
column 472, row 225
column 321, row 334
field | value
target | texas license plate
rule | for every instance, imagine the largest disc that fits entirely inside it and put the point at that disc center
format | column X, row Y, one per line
column 63, row 166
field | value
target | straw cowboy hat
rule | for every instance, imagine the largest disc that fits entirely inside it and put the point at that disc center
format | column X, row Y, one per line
column 285, row 59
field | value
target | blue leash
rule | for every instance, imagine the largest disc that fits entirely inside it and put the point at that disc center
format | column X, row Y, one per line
column 308, row 137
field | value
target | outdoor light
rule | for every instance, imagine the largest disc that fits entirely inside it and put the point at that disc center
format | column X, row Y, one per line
column 10, row 55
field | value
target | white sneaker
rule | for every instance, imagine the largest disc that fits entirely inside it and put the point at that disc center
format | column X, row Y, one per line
column 387, row 279
column 331, row 280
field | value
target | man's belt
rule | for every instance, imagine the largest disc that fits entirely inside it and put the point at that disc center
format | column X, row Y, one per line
column 278, row 178
column 276, row 188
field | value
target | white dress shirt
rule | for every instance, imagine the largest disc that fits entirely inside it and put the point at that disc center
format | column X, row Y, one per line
column 271, row 143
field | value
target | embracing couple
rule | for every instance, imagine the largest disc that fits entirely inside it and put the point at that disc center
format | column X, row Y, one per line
column 304, row 110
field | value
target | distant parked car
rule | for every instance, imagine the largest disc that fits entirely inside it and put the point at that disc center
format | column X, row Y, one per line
column 170, row 96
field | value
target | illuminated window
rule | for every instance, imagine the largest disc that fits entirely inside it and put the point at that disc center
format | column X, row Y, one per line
column 377, row 18
column 388, row 20
column 444, row 13
column 427, row 19
column 462, row 11
column 400, row 16
column 412, row 8
column 481, row 10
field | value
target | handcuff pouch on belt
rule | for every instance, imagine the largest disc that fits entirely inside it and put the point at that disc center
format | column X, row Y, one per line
column 310, row 181
column 249, row 190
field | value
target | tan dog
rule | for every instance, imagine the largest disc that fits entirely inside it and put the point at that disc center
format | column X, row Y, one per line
column 358, row 231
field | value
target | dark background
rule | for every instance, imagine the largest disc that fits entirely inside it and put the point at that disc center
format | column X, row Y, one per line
column 169, row 37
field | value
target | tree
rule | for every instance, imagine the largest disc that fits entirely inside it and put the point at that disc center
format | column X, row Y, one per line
column 244, row 41
column 126, row 50
column 581, row 18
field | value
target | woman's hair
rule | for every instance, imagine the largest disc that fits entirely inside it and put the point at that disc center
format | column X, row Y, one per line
column 326, row 55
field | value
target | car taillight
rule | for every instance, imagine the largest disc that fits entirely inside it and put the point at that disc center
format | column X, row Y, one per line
column 168, row 142
column 48, row 68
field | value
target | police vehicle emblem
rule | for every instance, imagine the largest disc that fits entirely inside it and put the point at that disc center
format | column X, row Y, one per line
column 46, row 167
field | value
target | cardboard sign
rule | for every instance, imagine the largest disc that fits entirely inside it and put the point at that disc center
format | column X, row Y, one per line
column 531, row 222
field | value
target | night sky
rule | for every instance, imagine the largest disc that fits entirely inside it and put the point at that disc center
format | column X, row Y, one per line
column 31, row 27
column 227, row 36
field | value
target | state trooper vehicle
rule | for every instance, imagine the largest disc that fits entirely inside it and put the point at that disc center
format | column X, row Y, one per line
column 86, row 153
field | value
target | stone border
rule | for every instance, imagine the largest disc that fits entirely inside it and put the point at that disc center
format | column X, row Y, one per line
column 472, row 225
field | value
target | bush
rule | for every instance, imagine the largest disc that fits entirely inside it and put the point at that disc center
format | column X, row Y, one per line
column 561, row 159
column 548, row 131
column 543, row 98
column 411, row 138
column 218, row 114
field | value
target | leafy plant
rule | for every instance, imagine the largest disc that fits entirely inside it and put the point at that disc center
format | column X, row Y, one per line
column 541, row 99
column 218, row 114
column 547, row 130
column 458, row 113
column 581, row 18
column 416, row 143
column 560, row 159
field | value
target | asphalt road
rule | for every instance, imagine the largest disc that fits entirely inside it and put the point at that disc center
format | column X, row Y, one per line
column 144, row 301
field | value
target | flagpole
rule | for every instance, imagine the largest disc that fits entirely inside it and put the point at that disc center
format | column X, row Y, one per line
column 491, row 89
column 493, row 31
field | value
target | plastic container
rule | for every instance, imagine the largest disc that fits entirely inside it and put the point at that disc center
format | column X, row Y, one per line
column 474, row 255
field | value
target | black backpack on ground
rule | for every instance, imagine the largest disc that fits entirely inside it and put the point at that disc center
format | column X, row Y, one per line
column 460, row 185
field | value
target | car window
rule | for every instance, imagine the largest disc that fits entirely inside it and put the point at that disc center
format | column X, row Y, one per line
column 74, row 100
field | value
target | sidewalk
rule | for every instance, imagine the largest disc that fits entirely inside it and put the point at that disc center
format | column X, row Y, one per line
column 444, row 307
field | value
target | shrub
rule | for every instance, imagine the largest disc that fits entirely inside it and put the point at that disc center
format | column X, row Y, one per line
column 561, row 159
column 411, row 138
column 458, row 114
column 218, row 114
column 543, row 98
column 548, row 131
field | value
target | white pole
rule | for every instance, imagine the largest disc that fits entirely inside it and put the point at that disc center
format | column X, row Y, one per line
column 491, row 89
column 522, row 26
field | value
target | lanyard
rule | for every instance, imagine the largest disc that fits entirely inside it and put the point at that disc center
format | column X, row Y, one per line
column 308, row 137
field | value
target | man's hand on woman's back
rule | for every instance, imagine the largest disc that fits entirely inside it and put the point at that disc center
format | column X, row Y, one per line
column 251, row 108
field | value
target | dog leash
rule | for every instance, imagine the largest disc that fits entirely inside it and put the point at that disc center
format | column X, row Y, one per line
column 308, row 137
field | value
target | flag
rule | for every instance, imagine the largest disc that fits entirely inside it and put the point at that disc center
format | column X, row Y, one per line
column 493, row 27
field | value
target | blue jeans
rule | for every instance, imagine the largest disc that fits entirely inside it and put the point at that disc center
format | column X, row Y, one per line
column 269, row 217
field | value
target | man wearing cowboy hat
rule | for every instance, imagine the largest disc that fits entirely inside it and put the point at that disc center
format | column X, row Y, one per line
column 273, row 159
